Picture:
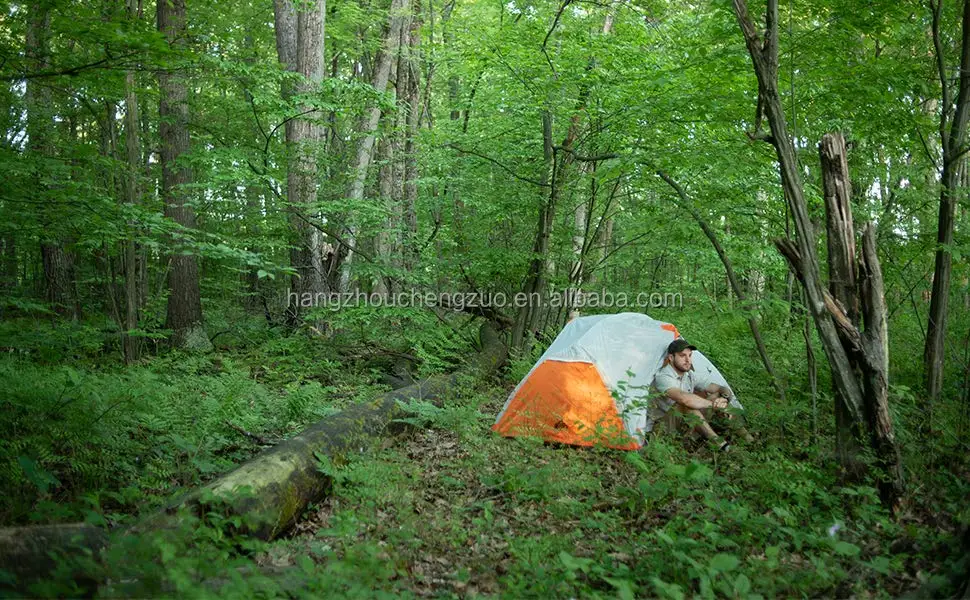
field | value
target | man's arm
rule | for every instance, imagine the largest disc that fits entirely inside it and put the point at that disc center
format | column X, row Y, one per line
column 693, row 400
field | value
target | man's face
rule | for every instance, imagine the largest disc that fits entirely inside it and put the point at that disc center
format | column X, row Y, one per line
column 682, row 360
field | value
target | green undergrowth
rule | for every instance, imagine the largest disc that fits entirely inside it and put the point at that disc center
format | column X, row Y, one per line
column 84, row 438
column 457, row 513
column 451, row 510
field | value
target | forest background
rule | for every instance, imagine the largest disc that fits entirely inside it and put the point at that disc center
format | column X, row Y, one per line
column 174, row 173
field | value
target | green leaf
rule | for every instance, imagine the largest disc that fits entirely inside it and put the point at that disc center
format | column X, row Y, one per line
column 95, row 518
column 698, row 472
column 624, row 588
column 667, row 590
column 742, row 586
column 168, row 551
column 37, row 475
column 846, row 549
column 880, row 564
column 306, row 564
column 724, row 562
column 664, row 537
column 573, row 563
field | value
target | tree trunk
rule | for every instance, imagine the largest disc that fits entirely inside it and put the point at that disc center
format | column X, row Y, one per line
column 58, row 263
column 581, row 217
column 535, row 280
column 59, row 279
column 130, row 345
column 383, row 241
column 386, row 239
column 414, row 108
column 837, row 192
column 254, row 300
column 844, row 345
column 184, row 316
column 874, row 366
column 300, row 48
column 810, row 366
column 953, row 137
column 8, row 268
column 112, row 273
column 583, row 213
column 367, row 130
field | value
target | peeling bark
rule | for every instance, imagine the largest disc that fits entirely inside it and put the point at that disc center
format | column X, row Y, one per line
column 846, row 349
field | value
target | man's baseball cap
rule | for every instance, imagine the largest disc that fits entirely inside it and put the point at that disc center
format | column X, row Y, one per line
column 679, row 345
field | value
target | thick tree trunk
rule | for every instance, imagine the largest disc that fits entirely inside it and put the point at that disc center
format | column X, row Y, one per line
column 837, row 191
column 603, row 241
column 934, row 351
column 953, row 138
column 384, row 240
column 254, row 300
column 367, row 131
column 112, row 273
column 874, row 366
column 300, row 49
column 535, row 280
column 398, row 170
column 8, row 267
column 184, row 316
column 583, row 213
column 59, row 279
column 581, row 217
column 844, row 345
column 455, row 104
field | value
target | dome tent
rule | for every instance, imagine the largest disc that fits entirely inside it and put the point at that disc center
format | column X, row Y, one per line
column 592, row 385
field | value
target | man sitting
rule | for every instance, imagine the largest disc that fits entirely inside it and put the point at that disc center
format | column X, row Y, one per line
column 684, row 389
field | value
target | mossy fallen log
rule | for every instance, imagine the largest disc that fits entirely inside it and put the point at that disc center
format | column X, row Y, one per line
column 272, row 489
column 268, row 492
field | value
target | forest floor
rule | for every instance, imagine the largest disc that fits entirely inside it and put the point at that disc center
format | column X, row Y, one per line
column 450, row 509
column 454, row 511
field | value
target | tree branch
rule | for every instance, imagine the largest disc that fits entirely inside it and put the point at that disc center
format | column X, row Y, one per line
column 597, row 158
column 499, row 164
column 67, row 70
column 545, row 40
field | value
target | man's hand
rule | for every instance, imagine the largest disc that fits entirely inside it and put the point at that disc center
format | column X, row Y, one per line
column 719, row 403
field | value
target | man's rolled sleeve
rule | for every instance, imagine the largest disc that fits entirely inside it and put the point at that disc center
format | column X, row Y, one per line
column 665, row 381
